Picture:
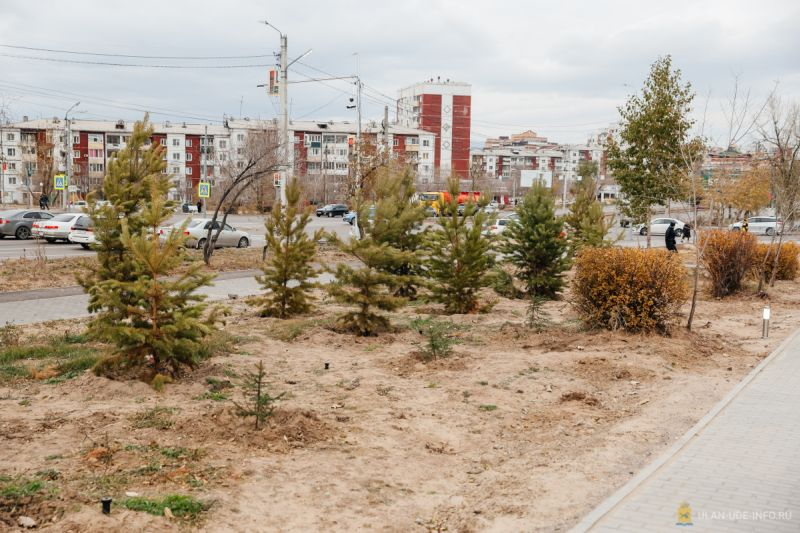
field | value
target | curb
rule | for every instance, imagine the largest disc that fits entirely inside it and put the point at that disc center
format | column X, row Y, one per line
column 610, row 503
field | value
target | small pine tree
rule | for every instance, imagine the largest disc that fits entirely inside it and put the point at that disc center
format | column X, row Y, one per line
column 257, row 401
column 458, row 255
column 586, row 221
column 398, row 223
column 126, row 188
column 288, row 270
column 372, row 285
column 165, row 318
column 535, row 246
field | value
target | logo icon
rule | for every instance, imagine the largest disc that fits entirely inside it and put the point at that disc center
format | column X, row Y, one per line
column 684, row 515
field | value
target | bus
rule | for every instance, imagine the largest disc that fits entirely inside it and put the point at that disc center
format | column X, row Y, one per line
column 437, row 200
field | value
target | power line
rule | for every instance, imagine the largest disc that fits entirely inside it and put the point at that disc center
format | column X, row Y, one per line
column 130, row 56
column 135, row 65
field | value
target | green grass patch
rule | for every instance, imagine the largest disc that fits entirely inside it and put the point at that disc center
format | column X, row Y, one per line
column 70, row 355
column 175, row 453
column 218, row 343
column 487, row 407
column 211, row 395
column 182, row 506
column 20, row 488
column 157, row 417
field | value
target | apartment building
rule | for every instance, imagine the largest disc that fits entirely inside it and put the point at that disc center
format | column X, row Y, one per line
column 443, row 108
column 34, row 150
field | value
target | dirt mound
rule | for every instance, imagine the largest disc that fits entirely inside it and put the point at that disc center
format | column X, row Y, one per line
column 41, row 510
column 578, row 396
column 285, row 430
column 414, row 363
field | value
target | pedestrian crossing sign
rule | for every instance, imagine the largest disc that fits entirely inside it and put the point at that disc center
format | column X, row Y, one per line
column 59, row 182
column 204, row 190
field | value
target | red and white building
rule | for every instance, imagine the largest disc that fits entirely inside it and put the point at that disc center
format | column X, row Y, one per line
column 443, row 108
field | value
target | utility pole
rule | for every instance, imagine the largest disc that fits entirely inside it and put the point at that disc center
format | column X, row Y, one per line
column 68, row 169
column 386, row 130
column 284, row 139
column 2, row 162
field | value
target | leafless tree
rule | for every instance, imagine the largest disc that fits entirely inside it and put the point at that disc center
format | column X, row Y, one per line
column 242, row 176
column 780, row 133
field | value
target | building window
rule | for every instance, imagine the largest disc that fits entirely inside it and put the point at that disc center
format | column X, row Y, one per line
column 176, row 156
column 341, row 139
column 12, row 166
column 113, row 139
column 426, row 142
column 396, row 143
column 223, row 157
column 240, row 136
column 189, row 157
column 95, row 167
column 223, row 144
column 188, row 143
column 12, row 180
column 93, row 152
column 9, row 136
column 313, row 151
column 30, row 167
column 11, row 151
column 76, row 139
column 188, row 170
column 176, row 142
column 176, row 170
column 329, row 139
column 95, row 139
column 425, row 155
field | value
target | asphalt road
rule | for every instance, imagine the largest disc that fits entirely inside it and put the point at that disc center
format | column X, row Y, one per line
column 11, row 248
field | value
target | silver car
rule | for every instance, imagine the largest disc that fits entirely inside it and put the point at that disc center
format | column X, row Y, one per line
column 18, row 223
column 197, row 232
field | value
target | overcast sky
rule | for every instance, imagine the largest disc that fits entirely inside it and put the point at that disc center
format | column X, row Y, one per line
column 559, row 68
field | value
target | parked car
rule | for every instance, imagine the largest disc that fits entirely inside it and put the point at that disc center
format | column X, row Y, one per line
column 332, row 210
column 189, row 208
column 492, row 207
column 78, row 206
column 430, row 212
column 82, row 232
column 18, row 223
column 499, row 226
column 658, row 226
column 350, row 217
column 56, row 228
column 197, row 233
column 760, row 225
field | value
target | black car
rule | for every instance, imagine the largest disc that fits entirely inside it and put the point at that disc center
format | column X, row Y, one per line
column 332, row 210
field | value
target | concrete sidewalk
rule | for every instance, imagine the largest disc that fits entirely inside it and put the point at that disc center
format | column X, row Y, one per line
column 30, row 307
column 738, row 469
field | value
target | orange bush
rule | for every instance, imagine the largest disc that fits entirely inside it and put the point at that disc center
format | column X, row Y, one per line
column 728, row 256
column 629, row 288
column 788, row 263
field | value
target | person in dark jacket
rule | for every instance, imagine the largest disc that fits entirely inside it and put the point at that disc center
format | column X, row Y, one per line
column 199, row 206
column 669, row 238
column 686, row 235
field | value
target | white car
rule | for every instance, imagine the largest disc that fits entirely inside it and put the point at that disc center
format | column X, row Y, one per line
column 56, row 228
column 499, row 226
column 760, row 225
column 78, row 207
column 658, row 226
column 82, row 232
column 197, row 233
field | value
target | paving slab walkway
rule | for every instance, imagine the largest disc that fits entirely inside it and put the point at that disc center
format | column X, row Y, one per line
column 738, row 469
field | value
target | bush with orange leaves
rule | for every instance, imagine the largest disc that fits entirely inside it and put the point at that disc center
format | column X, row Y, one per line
column 788, row 263
column 627, row 288
column 728, row 256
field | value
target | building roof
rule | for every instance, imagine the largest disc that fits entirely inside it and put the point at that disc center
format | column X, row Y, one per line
column 120, row 126
column 351, row 127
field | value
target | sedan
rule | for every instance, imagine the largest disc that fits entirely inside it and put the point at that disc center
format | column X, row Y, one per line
column 18, row 223
column 760, row 225
column 658, row 226
column 332, row 210
column 56, row 228
column 82, row 232
column 197, row 232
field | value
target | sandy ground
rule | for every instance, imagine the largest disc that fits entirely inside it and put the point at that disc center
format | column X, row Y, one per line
column 516, row 431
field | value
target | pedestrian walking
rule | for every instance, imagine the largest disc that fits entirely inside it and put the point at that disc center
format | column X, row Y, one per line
column 199, row 206
column 686, row 234
column 669, row 238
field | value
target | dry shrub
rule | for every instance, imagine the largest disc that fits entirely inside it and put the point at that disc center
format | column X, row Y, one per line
column 788, row 262
column 631, row 289
column 728, row 256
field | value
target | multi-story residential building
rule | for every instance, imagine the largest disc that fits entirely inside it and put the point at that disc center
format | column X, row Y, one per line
column 33, row 151
column 443, row 108
column 526, row 138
